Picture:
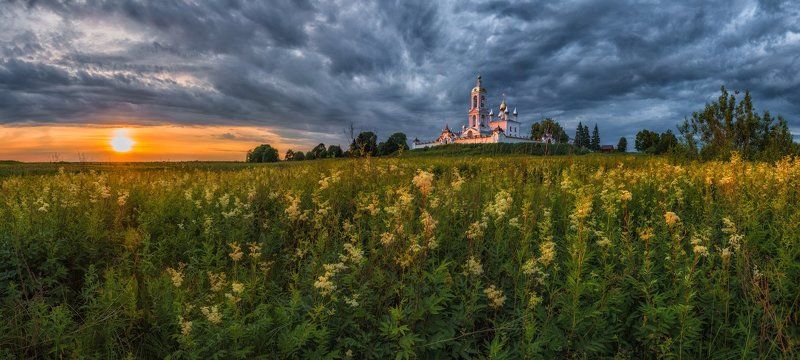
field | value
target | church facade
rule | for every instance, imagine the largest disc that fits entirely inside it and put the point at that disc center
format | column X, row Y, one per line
column 482, row 126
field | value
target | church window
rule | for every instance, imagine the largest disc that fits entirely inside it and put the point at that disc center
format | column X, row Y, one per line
column 475, row 101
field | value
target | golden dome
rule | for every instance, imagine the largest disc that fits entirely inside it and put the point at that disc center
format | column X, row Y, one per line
column 503, row 106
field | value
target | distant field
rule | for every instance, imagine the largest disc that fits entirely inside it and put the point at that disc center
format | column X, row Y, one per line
column 414, row 257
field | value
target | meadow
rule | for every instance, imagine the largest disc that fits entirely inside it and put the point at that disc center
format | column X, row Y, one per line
column 496, row 257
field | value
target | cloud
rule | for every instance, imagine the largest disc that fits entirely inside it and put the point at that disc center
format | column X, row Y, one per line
column 308, row 68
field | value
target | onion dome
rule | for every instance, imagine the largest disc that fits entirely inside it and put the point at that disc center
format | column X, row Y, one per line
column 503, row 106
column 515, row 112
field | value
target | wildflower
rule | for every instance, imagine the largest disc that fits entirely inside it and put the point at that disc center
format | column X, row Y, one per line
column 236, row 252
column 726, row 254
column 646, row 234
column 625, row 195
column 502, row 202
column 457, row 180
column 700, row 250
column 671, row 218
column 324, row 285
column 176, row 275
column 237, row 287
column 123, row 197
column 475, row 230
column 212, row 314
column 473, row 267
column 255, row 250
column 428, row 223
column 530, row 267
column 387, row 239
column 495, row 296
column 218, row 281
column 352, row 253
column 186, row 326
column 293, row 210
column 534, row 300
column 265, row 266
column 548, row 252
column 424, row 181
column 734, row 237
column 514, row 222
column 352, row 301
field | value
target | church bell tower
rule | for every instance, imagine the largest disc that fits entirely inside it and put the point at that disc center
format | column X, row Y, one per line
column 478, row 115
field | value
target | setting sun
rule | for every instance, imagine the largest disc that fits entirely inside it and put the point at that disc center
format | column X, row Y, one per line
column 121, row 141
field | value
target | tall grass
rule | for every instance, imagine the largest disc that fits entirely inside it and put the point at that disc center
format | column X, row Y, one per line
column 432, row 257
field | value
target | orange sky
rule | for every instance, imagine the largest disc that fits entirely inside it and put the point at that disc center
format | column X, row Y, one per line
column 151, row 143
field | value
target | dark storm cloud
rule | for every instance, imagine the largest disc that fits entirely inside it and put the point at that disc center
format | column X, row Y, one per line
column 307, row 68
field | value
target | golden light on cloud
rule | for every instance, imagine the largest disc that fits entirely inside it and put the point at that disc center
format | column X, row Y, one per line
column 136, row 143
column 121, row 140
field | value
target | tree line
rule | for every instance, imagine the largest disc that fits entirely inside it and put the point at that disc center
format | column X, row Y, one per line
column 549, row 130
column 365, row 144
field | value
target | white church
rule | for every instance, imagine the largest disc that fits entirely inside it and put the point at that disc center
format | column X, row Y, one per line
column 483, row 126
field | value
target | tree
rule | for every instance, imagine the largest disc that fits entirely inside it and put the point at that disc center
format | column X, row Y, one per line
column 549, row 126
column 582, row 136
column 262, row 153
column 727, row 125
column 334, row 151
column 299, row 156
column 319, row 152
column 595, row 142
column 622, row 145
column 289, row 156
column 666, row 142
column 646, row 141
column 394, row 143
column 365, row 144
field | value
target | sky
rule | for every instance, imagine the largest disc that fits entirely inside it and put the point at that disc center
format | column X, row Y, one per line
column 207, row 80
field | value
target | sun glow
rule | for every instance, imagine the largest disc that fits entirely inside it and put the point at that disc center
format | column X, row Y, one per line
column 121, row 141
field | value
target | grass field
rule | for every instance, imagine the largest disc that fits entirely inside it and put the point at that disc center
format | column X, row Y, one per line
column 421, row 257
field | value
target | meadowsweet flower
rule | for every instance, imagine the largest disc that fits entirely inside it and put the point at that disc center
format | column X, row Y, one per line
column 700, row 250
column 726, row 254
column 325, row 283
column 387, row 239
column 646, row 233
column 457, row 180
column 186, row 326
column 176, row 275
column 530, row 267
column 473, row 267
column 502, row 202
column 534, row 300
column 218, row 281
column 293, row 210
column 352, row 301
column 212, row 314
column 475, row 230
column 424, row 182
column 428, row 223
column 352, row 254
column 495, row 297
column 237, row 287
column 625, row 195
column 548, row 253
column 671, row 218
column 236, row 252
column 734, row 237
column 255, row 250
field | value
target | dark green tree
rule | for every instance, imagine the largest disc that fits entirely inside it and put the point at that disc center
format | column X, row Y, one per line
column 594, row 143
column 666, row 142
column 646, row 141
column 262, row 153
column 334, row 151
column 396, row 142
column 289, row 156
column 727, row 125
column 299, row 156
column 622, row 145
column 365, row 144
column 548, row 125
column 319, row 151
